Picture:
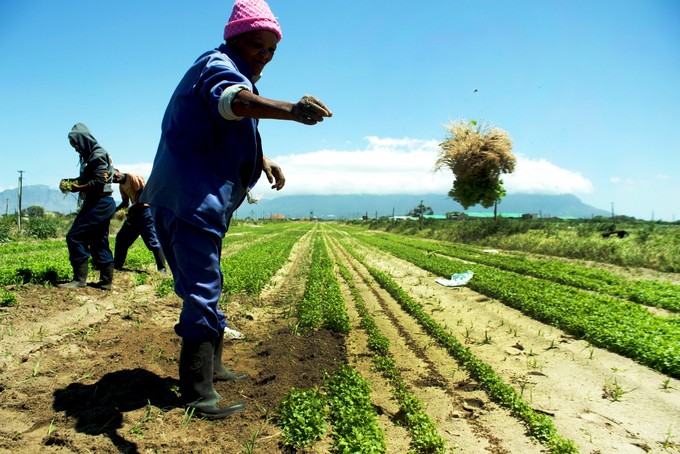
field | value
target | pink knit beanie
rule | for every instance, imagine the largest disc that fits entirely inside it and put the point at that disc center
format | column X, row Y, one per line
column 249, row 15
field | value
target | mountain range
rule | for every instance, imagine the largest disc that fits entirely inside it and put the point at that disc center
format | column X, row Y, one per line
column 357, row 205
column 336, row 206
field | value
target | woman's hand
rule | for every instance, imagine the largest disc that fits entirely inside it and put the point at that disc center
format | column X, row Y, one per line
column 274, row 173
column 310, row 110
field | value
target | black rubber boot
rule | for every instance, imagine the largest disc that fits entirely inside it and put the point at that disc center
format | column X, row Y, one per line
column 105, row 277
column 195, row 381
column 119, row 256
column 160, row 260
column 79, row 276
column 221, row 373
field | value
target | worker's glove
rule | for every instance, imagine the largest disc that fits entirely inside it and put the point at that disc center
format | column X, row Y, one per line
column 309, row 110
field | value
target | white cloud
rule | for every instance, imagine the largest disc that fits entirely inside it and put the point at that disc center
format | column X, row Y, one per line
column 397, row 166
column 539, row 176
column 405, row 166
column 140, row 168
column 623, row 183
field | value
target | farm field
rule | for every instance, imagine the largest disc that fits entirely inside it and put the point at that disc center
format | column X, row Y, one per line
column 532, row 355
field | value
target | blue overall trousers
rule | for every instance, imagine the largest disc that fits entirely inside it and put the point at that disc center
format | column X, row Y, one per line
column 138, row 222
column 193, row 255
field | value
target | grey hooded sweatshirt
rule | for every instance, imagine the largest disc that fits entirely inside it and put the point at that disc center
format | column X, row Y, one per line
column 96, row 165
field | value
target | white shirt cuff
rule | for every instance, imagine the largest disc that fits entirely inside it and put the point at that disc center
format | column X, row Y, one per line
column 227, row 96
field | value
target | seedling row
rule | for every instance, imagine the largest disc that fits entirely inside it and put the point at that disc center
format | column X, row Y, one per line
column 619, row 326
column 648, row 292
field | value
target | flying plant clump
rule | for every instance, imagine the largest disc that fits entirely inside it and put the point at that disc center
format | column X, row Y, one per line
column 477, row 154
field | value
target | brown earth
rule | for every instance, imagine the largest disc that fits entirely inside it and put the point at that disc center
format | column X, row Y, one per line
column 92, row 371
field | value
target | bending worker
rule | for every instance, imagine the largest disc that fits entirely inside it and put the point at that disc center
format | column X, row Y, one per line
column 138, row 221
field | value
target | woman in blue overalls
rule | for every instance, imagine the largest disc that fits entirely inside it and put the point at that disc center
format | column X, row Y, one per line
column 208, row 157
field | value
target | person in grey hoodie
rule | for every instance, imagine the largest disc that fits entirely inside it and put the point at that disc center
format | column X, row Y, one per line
column 89, row 233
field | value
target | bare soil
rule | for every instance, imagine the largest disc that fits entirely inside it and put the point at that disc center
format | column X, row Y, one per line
column 92, row 371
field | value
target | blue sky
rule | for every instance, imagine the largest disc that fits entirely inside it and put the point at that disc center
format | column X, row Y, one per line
column 588, row 91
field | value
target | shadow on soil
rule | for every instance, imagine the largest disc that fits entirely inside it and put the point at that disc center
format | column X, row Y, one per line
column 99, row 407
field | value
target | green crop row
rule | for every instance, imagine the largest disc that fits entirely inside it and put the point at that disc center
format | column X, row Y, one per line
column 539, row 425
column 424, row 436
column 46, row 261
column 33, row 263
column 618, row 326
column 345, row 402
column 353, row 417
column 30, row 246
column 322, row 303
column 250, row 269
column 302, row 417
column 48, row 268
column 7, row 298
column 650, row 293
column 139, row 257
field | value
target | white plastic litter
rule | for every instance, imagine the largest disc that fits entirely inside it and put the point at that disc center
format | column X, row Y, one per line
column 490, row 251
column 232, row 334
column 456, row 279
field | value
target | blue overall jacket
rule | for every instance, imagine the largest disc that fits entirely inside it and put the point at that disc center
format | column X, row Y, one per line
column 205, row 164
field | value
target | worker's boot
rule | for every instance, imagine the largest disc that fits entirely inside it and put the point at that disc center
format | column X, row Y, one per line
column 195, row 381
column 105, row 277
column 160, row 260
column 119, row 257
column 79, row 276
column 221, row 373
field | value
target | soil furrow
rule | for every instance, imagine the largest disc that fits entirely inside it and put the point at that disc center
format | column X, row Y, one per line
column 465, row 416
column 596, row 397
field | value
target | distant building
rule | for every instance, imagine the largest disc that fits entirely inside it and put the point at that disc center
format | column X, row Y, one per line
column 404, row 218
column 458, row 215
column 455, row 215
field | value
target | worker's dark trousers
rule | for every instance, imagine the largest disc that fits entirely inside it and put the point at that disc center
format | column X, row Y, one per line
column 193, row 255
column 138, row 222
column 89, row 234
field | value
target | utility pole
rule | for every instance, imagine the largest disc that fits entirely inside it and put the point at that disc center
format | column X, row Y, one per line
column 21, row 179
column 612, row 209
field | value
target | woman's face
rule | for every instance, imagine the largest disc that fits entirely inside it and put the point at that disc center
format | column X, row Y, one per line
column 256, row 48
